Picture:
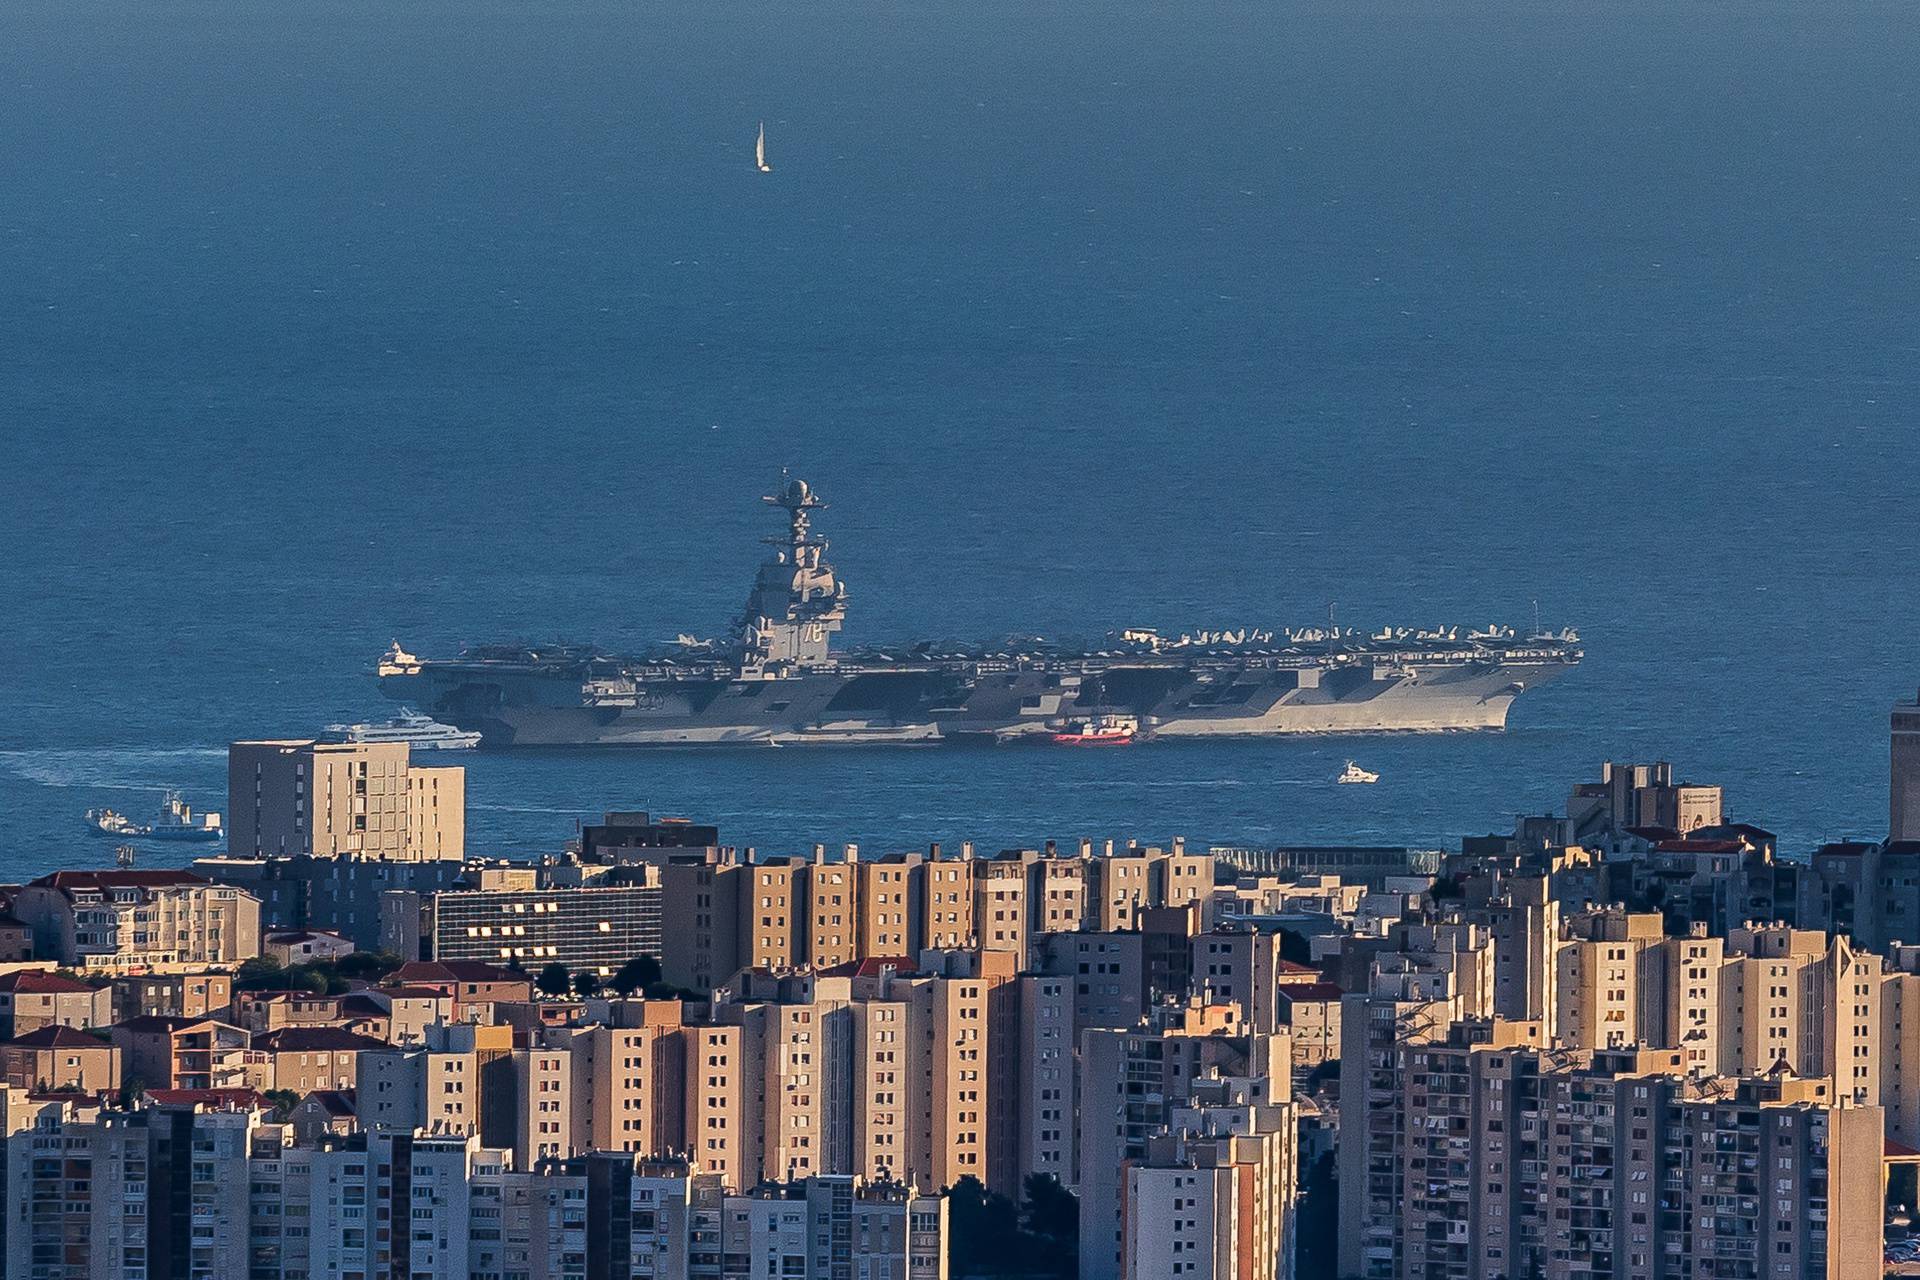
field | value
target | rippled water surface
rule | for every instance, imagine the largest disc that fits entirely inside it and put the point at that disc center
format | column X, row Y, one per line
column 329, row 324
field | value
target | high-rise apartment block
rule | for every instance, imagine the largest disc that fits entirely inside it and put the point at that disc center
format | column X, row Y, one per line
column 337, row 799
column 193, row 1191
column 1903, row 819
column 1491, row 1155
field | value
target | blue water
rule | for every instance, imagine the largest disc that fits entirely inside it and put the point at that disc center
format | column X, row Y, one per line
column 327, row 324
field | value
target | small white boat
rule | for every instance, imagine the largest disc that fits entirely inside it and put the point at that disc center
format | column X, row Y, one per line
column 1354, row 773
column 760, row 150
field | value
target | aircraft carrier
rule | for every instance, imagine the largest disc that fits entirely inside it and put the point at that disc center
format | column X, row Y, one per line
column 778, row 681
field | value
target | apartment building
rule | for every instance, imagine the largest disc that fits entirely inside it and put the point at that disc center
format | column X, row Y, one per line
column 1002, row 904
column 103, row 1195
column 1515, row 1159
column 700, row 894
column 60, row 1058
column 1404, row 1002
column 303, row 1059
column 298, row 797
column 1214, row 1197
column 33, row 998
column 1046, row 1084
column 439, row 1086
column 1131, row 1084
column 191, row 995
column 1630, row 796
column 1108, row 972
column 890, row 893
column 773, row 915
column 594, row 929
column 1764, row 997
column 188, row 1053
column 948, row 919
column 833, row 916
column 341, row 894
column 194, row 1191
column 127, row 921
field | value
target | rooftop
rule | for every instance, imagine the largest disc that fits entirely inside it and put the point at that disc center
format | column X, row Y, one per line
column 315, row 1039
column 38, row 982
column 57, row 1038
column 103, row 881
column 416, row 972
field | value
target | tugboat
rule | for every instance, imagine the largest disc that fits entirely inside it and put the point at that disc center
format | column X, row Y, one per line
column 176, row 821
column 107, row 822
column 1100, row 731
column 1353, row 773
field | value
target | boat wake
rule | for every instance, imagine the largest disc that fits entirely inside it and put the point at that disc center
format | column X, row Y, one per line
column 109, row 768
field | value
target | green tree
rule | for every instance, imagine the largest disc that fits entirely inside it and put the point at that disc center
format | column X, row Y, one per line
column 366, row 966
column 262, row 973
column 284, row 1101
column 1317, row 1222
column 636, row 974
column 308, row 977
column 1050, row 1218
column 586, row 983
column 1295, row 947
column 554, row 980
column 984, row 1236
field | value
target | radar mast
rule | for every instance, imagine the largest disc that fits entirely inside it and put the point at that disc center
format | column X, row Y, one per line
column 797, row 601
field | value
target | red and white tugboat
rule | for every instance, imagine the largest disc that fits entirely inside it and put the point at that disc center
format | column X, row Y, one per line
column 1100, row 731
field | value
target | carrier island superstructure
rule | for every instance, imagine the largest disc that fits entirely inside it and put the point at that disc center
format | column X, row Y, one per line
column 778, row 681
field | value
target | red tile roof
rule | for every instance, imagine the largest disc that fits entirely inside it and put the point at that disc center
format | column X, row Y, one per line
column 423, row 971
column 867, row 968
column 37, row 982
column 248, row 1098
column 315, row 1040
column 57, row 1038
column 118, row 879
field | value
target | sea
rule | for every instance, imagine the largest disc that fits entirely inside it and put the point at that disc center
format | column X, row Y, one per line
column 445, row 321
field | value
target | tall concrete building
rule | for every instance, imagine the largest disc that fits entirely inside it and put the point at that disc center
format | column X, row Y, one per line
column 331, row 800
column 1630, row 796
column 1214, row 1197
column 1131, row 1084
column 1903, row 819
column 595, row 929
column 1512, row 1159
column 204, row 1193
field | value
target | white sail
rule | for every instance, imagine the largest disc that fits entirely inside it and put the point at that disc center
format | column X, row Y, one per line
column 760, row 150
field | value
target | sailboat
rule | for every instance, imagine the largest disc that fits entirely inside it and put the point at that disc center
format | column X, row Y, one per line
column 760, row 150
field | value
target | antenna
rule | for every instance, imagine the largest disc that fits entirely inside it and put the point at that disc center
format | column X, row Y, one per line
column 1536, row 616
column 1333, row 624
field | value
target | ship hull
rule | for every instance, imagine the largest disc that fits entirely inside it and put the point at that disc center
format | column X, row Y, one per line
column 926, row 706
